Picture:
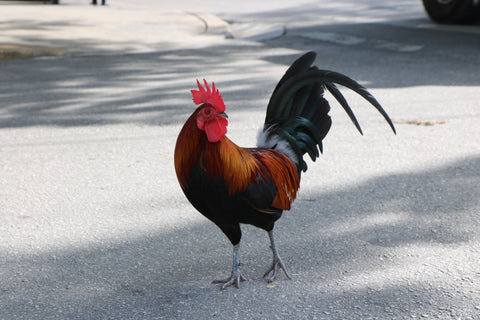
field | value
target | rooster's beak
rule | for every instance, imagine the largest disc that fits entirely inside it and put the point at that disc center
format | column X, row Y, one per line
column 222, row 115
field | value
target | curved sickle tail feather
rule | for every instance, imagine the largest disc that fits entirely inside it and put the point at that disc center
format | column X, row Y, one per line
column 328, row 78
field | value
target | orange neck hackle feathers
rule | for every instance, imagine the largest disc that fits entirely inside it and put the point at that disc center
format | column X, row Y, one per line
column 208, row 95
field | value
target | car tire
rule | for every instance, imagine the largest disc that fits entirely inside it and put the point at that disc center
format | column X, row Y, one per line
column 452, row 11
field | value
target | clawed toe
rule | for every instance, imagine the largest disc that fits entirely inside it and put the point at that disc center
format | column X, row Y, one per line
column 276, row 265
column 235, row 279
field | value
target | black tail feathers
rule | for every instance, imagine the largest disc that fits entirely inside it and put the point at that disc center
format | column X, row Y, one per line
column 298, row 112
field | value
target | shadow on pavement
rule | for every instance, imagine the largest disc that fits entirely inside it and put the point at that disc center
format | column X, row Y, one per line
column 95, row 90
column 153, row 88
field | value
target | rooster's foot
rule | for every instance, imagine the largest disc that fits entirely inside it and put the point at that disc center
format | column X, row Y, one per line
column 276, row 265
column 235, row 279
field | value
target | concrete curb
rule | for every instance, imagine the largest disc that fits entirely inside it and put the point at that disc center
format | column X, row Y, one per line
column 244, row 31
column 213, row 24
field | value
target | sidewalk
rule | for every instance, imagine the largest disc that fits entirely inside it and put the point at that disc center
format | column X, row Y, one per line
column 77, row 28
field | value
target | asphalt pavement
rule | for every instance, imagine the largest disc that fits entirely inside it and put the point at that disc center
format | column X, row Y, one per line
column 93, row 224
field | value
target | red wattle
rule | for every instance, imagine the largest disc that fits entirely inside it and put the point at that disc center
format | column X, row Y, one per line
column 216, row 129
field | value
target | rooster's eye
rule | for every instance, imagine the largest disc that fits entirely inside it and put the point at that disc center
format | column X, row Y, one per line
column 207, row 111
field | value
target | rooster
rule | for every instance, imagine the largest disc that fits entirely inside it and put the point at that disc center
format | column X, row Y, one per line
column 231, row 185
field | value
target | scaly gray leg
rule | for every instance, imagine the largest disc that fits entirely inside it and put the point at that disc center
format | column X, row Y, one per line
column 277, row 261
column 236, row 277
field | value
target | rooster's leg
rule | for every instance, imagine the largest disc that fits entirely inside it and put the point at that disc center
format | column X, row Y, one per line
column 277, row 261
column 236, row 277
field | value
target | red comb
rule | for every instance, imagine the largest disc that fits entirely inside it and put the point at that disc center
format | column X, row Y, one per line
column 209, row 95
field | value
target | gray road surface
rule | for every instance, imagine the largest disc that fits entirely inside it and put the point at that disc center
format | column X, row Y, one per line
column 93, row 224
